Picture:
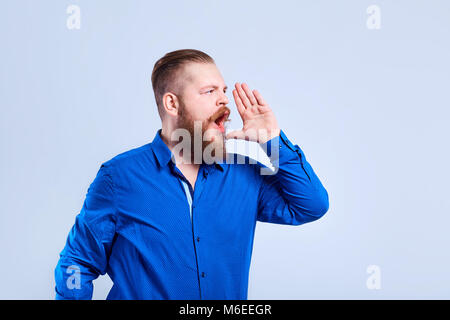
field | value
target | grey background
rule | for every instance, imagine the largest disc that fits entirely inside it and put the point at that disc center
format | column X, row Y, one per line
column 368, row 107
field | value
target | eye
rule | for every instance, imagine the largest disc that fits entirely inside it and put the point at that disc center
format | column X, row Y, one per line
column 210, row 91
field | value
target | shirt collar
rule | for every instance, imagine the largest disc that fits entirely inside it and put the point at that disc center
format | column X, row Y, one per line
column 163, row 154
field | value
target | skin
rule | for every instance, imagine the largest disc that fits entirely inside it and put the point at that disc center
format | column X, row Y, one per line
column 201, row 96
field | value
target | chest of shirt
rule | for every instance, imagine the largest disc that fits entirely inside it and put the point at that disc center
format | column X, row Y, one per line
column 224, row 203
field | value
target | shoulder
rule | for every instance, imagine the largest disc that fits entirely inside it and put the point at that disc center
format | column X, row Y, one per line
column 128, row 158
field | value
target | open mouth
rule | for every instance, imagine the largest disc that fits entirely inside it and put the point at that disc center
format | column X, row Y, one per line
column 221, row 118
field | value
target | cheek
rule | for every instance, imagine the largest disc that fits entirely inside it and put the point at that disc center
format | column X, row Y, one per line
column 201, row 110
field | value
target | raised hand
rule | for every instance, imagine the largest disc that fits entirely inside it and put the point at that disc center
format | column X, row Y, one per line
column 259, row 122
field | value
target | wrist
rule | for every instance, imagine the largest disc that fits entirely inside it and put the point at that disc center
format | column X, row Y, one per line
column 272, row 133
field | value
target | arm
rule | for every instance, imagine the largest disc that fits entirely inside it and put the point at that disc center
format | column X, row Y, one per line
column 294, row 194
column 85, row 255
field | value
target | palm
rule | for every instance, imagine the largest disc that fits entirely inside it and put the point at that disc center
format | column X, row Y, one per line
column 259, row 122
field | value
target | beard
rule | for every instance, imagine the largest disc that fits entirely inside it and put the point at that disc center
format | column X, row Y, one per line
column 213, row 141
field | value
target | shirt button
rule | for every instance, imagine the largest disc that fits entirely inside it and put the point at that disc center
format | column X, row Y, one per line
column 198, row 239
column 203, row 274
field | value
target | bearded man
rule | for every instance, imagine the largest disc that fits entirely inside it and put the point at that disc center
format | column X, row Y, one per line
column 175, row 218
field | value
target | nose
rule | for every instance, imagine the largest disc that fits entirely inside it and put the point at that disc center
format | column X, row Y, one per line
column 223, row 100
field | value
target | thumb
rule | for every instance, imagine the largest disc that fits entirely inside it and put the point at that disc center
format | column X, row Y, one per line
column 237, row 134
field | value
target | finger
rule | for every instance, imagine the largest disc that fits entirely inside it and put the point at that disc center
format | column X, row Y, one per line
column 249, row 94
column 239, row 105
column 259, row 97
column 243, row 96
column 237, row 134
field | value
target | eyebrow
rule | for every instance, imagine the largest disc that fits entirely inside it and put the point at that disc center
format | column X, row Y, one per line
column 213, row 86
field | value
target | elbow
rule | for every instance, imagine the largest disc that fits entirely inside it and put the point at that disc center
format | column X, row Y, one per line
column 323, row 203
column 323, row 206
column 319, row 206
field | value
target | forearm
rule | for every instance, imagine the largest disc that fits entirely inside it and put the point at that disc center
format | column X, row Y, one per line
column 293, row 187
column 73, row 279
column 87, row 249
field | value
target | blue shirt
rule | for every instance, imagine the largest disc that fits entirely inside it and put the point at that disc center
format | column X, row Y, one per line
column 136, row 224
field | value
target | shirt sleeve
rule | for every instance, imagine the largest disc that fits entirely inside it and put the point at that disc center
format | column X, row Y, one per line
column 293, row 194
column 88, row 245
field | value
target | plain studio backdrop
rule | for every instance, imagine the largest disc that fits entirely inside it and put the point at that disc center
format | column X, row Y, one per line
column 361, row 86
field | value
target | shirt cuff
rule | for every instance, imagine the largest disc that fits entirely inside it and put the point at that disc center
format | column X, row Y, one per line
column 286, row 150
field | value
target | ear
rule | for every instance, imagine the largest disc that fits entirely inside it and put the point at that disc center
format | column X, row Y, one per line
column 171, row 103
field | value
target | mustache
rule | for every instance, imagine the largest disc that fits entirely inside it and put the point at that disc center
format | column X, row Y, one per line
column 222, row 111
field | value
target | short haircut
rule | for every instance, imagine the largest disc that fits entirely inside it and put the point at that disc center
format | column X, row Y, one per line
column 166, row 74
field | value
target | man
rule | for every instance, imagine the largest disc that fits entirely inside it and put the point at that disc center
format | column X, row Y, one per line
column 171, row 222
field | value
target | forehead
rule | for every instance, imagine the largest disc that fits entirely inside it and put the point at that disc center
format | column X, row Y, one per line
column 202, row 74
